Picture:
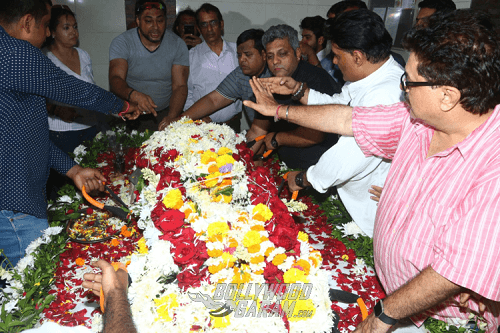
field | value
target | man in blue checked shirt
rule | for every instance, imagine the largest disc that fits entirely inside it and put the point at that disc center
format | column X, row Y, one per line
column 27, row 77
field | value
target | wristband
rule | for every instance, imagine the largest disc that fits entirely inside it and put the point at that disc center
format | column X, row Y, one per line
column 276, row 117
column 130, row 93
column 299, row 180
column 126, row 110
column 300, row 93
column 287, row 113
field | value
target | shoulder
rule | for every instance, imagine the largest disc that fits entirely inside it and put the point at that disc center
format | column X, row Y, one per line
column 83, row 54
column 231, row 46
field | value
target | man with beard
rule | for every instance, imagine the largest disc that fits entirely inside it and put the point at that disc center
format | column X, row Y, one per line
column 437, row 218
column 149, row 65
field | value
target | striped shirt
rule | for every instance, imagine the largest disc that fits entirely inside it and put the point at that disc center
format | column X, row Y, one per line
column 440, row 211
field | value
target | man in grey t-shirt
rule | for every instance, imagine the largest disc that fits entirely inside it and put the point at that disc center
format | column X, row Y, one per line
column 149, row 66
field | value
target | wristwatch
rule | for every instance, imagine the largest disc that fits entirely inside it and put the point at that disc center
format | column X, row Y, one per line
column 274, row 142
column 299, row 180
column 379, row 313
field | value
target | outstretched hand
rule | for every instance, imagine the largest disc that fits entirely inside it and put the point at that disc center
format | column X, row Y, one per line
column 266, row 104
column 281, row 85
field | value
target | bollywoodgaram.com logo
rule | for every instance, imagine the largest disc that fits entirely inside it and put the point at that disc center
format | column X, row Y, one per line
column 257, row 300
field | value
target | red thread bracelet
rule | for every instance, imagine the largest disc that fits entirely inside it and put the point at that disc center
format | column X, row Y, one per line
column 276, row 117
column 123, row 112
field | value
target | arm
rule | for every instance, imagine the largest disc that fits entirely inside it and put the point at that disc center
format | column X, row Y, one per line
column 259, row 127
column 299, row 137
column 312, row 57
column 117, row 317
column 118, row 69
column 207, row 105
column 180, row 76
column 324, row 118
column 425, row 291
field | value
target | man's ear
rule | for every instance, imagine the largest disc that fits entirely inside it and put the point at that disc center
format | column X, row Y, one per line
column 27, row 23
column 298, row 53
column 263, row 54
column 137, row 20
column 450, row 97
column 359, row 57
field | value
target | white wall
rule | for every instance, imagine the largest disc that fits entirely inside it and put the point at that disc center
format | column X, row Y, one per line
column 100, row 21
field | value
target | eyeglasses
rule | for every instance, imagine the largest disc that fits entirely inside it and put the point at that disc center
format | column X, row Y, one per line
column 407, row 84
column 212, row 23
column 150, row 5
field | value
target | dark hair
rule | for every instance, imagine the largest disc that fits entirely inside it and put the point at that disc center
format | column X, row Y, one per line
column 361, row 30
column 207, row 8
column 56, row 13
column 12, row 10
column 460, row 49
column 187, row 12
column 316, row 24
column 139, row 6
column 281, row 31
column 439, row 5
column 252, row 34
column 341, row 6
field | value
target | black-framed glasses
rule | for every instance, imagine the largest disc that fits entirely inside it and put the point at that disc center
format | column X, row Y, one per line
column 212, row 23
column 151, row 5
column 407, row 84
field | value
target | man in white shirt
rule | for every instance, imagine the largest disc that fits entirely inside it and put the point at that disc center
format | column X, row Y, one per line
column 211, row 61
column 361, row 47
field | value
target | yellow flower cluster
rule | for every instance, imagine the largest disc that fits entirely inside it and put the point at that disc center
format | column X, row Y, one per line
column 143, row 248
column 165, row 307
column 173, row 199
column 262, row 213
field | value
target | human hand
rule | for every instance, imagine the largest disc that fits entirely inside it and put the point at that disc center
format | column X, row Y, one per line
column 281, row 85
column 66, row 114
column 309, row 52
column 291, row 181
column 91, row 178
column 167, row 121
column 372, row 325
column 191, row 40
column 144, row 103
column 109, row 281
column 465, row 296
column 266, row 104
column 376, row 191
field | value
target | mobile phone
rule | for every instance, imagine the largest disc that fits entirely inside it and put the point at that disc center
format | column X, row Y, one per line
column 188, row 29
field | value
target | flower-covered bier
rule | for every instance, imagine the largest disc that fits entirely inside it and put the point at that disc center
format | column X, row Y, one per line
column 219, row 223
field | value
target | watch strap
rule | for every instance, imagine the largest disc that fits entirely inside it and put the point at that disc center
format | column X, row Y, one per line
column 274, row 142
column 379, row 313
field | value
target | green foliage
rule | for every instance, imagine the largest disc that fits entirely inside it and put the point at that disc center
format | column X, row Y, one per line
column 438, row 326
column 337, row 216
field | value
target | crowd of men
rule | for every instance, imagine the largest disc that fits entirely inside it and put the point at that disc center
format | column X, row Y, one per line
column 424, row 136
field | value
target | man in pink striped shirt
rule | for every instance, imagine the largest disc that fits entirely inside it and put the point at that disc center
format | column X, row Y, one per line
column 436, row 228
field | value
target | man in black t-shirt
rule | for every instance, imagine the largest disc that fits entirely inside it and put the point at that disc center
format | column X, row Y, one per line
column 297, row 146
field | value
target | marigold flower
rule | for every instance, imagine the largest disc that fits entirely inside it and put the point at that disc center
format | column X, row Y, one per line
column 254, row 248
column 345, row 257
column 306, row 266
column 257, row 259
column 220, row 322
column 213, row 168
column 257, row 228
column 115, row 242
column 212, row 179
column 214, row 253
column 208, row 156
column 262, row 213
column 294, row 275
column 224, row 151
column 302, row 236
column 125, row 232
column 165, row 306
column 217, row 228
column 143, row 248
column 173, row 199
column 80, row 261
column 279, row 259
column 224, row 160
column 251, row 238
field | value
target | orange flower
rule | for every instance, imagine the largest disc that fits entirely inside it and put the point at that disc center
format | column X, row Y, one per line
column 254, row 248
column 268, row 251
column 115, row 242
column 256, row 260
column 257, row 228
column 279, row 259
column 213, row 168
column 187, row 212
column 125, row 232
column 80, row 261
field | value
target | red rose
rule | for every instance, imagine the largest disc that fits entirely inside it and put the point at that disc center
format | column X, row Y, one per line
column 171, row 220
column 273, row 274
column 183, row 252
column 286, row 238
column 192, row 276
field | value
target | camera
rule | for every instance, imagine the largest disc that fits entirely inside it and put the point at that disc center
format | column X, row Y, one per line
column 189, row 29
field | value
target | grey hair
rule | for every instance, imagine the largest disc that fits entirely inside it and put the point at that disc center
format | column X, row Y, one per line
column 281, row 31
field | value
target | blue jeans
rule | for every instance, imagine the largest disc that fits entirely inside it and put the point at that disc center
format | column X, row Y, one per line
column 17, row 231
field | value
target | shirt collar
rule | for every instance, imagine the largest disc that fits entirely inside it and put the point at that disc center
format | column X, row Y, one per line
column 322, row 54
column 363, row 84
column 206, row 49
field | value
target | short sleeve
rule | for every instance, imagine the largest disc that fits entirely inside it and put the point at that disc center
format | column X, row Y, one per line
column 466, row 242
column 229, row 87
column 378, row 129
column 182, row 54
column 119, row 48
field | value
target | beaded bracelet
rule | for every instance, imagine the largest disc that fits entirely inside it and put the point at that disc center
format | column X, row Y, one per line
column 276, row 117
column 123, row 112
column 300, row 93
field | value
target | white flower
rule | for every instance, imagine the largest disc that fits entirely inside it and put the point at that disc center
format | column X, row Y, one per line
column 65, row 199
column 5, row 274
column 99, row 136
column 34, row 245
column 27, row 261
column 351, row 229
column 11, row 306
column 52, row 231
column 134, row 132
